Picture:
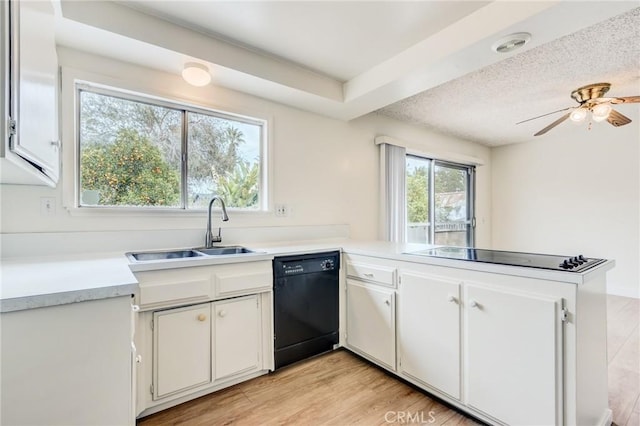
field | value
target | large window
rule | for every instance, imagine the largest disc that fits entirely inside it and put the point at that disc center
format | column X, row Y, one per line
column 439, row 199
column 138, row 152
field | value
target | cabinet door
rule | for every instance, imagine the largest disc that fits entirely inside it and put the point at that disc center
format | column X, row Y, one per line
column 34, row 78
column 237, row 336
column 429, row 331
column 371, row 327
column 182, row 349
column 513, row 349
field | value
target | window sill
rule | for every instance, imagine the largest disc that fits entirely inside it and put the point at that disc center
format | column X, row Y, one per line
column 161, row 212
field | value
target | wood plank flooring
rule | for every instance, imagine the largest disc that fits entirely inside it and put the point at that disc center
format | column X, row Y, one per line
column 334, row 389
column 342, row 389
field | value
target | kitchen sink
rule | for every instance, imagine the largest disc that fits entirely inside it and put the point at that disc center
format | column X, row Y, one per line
column 218, row 251
column 187, row 253
column 164, row 255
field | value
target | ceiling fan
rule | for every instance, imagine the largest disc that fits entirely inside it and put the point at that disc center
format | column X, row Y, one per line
column 591, row 99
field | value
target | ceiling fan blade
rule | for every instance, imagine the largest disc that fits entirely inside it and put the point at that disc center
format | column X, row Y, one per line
column 616, row 119
column 543, row 115
column 552, row 125
column 626, row 100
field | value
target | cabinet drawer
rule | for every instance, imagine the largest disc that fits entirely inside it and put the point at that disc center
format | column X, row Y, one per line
column 232, row 280
column 174, row 287
column 384, row 275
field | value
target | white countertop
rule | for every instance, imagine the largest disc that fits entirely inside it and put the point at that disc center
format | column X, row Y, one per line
column 49, row 281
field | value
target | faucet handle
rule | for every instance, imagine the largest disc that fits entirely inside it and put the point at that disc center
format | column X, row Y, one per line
column 217, row 238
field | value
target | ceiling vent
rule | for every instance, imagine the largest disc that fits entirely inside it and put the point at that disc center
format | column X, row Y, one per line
column 511, row 42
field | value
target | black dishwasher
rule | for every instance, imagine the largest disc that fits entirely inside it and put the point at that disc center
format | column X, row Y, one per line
column 305, row 305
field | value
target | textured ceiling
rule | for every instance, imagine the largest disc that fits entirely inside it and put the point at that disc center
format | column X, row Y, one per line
column 484, row 106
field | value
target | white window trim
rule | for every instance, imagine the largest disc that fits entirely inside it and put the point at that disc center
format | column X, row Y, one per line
column 70, row 144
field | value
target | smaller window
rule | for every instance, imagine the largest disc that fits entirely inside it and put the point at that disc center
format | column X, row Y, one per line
column 137, row 152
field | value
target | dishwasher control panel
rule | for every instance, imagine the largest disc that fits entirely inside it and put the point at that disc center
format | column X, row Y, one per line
column 319, row 263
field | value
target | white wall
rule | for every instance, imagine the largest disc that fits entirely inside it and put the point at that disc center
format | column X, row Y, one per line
column 573, row 191
column 325, row 170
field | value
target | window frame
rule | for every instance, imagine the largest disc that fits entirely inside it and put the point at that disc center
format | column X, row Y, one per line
column 470, row 199
column 183, row 108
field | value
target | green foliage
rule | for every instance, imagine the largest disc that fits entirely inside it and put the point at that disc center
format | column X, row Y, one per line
column 450, row 179
column 131, row 171
column 213, row 146
column 417, row 195
column 240, row 188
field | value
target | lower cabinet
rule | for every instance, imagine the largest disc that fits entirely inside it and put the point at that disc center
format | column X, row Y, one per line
column 429, row 330
column 182, row 349
column 196, row 345
column 371, row 325
column 513, row 355
column 201, row 329
column 236, row 336
column 67, row 364
column 491, row 344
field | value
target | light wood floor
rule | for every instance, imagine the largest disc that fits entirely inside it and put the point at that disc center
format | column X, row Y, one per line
column 341, row 389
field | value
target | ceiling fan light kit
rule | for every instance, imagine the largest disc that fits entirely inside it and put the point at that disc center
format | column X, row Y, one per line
column 591, row 99
column 578, row 115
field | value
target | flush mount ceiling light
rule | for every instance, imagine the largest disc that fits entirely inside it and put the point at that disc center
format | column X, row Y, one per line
column 511, row 42
column 196, row 74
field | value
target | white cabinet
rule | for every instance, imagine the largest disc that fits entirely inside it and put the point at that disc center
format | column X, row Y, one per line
column 429, row 330
column 182, row 349
column 67, row 364
column 30, row 149
column 201, row 329
column 371, row 325
column 236, row 336
column 513, row 355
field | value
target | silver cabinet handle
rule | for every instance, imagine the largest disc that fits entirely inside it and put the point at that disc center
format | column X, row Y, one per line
column 452, row 299
column 473, row 304
column 55, row 143
column 387, row 302
column 369, row 275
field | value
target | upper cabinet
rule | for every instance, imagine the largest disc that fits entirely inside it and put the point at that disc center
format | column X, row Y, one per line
column 31, row 145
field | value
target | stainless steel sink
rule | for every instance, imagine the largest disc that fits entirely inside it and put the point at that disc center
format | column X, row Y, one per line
column 164, row 255
column 219, row 251
column 188, row 253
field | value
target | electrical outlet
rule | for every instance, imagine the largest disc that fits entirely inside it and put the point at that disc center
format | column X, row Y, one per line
column 47, row 206
column 282, row 210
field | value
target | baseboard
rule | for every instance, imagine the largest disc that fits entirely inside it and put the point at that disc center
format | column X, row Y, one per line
column 624, row 291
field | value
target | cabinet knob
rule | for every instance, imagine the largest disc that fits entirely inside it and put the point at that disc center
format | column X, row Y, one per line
column 368, row 275
column 55, row 144
column 452, row 299
column 473, row 304
column 222, row 313
column 202, row 317
column 387, row 302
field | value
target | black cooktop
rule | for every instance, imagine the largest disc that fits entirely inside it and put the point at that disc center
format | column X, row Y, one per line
column 576, row 263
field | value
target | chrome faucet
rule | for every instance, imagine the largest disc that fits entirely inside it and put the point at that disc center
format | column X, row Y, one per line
column 209, row 239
